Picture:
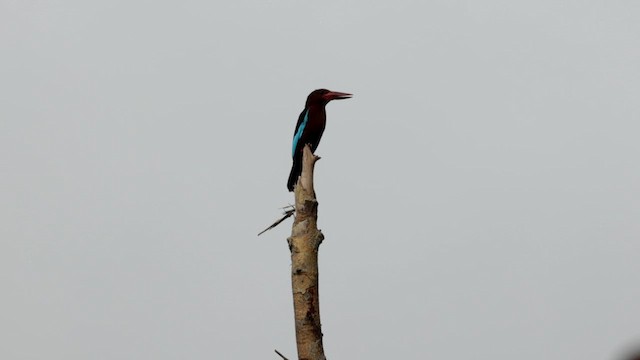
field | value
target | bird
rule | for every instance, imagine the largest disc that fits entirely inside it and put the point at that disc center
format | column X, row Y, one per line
column 309, row 129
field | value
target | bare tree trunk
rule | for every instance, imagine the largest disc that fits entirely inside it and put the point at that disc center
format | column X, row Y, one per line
column 304, row 243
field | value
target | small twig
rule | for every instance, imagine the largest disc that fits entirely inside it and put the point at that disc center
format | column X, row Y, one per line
column 282, row 356
column 290, row 210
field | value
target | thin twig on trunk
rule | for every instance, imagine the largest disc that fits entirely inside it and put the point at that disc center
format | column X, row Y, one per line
column 282, row 356
column 287, row 213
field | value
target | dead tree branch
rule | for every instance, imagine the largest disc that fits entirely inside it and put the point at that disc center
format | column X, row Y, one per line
column 304, row 243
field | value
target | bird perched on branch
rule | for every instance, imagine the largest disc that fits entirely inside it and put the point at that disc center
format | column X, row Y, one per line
column 310, row 127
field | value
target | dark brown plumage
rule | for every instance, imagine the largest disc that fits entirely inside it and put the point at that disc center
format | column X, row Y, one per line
column 310, row 127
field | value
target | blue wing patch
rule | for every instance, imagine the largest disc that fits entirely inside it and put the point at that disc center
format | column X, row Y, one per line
column 298, row 134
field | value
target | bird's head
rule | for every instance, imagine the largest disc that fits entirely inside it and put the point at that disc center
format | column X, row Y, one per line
column 323, row 96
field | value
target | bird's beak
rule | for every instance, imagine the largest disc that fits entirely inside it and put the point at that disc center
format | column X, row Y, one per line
column 335, row 95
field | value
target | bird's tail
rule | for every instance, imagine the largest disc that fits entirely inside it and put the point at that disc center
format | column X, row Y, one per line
column 296, row 169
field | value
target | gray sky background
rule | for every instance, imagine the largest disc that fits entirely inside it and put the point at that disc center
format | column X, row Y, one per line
column 480, row 194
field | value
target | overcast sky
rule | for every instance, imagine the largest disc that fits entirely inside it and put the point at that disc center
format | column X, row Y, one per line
column 480, row 194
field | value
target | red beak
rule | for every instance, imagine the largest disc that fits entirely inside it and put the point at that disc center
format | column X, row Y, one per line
column 335, row 95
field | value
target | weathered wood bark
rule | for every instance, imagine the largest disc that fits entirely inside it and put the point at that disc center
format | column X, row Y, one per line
column 304, row 243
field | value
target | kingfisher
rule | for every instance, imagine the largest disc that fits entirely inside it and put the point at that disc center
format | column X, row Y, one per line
column 310, row 127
